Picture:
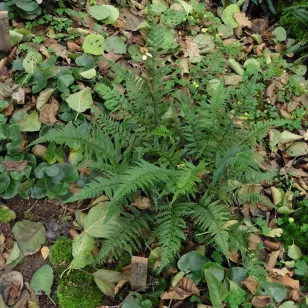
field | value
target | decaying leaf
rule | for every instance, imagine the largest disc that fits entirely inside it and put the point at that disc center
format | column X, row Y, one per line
column 45, row 252
column 242, row 19
column 14, row 165
column 48, row 112
column 142, row 203
column 251, row 284
column 261, row 301
column 175, row 294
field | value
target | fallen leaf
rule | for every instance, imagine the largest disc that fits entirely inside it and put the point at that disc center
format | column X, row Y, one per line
column 261, row 301
column 191, row 50
column 14, row 165
column 73, row 47
column 253, row 241
column 19, row 96
column 272, row 259
column 189, row 286
column 119, row 285
column 289, row 282
column 48, row 113
column 142, row 203
column 45, row 252
column 294, row 252
column 175, row 294
column 242, row 19
column 251, row 284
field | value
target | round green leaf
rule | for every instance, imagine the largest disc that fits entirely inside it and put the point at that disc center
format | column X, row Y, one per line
column 99, row 12
column 31, row 62
column 294, row 252
column 4, row 182
column 89, row 74
column 192, row 262
column 288, row 304
column 85, row 61
column 297, row 149
column 94, row 44
column 113, row 16
column 280, row 34
column 217, row 270
column 116, row 44
column 42, row 280
column 134, row 51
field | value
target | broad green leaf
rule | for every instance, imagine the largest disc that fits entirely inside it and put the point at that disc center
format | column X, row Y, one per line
column 297, row 149
column 276, row 291
column 217, row 290
column 94, row 222
column 236, row 67
column 82, row 260
column 99, row 12
column 134, row 51
column 85, row 61
column 155, row 258
column 187, row 7
column 29, row 123
column 106, row 280
column 159, row 6
column 224, row 31
column 43, row 98
column 294, row 252
column 115, row 43
column 299, row 69
column 6, row 214
column 42, row 280
column 288, row 304
column 192, row 263
column 228, row 15
column 89, row 74
column 287, row 137
column 280, row 34
column 80, row 101
column 64, row 82
column 113, row 16
column 15, row 37
column 217, row 270
column 31, row 62
column 12, row 190
column 236, row 274
column 82, row 243
column 94, row 44
column 14, row 255
column 205, row 43
column 29, row 236
column 4, row 182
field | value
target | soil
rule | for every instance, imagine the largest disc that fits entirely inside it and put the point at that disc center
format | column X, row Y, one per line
column 34, row 210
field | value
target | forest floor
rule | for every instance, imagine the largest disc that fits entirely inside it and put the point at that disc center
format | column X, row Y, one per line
column 49, row 79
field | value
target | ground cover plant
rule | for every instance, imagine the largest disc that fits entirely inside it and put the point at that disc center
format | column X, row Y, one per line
column 174, row 131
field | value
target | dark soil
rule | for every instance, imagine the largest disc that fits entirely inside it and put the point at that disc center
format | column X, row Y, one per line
column 34, row 210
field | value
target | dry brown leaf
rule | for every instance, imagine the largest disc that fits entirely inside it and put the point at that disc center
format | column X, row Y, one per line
column 281, row 272
column 242, row 19
column 14, row 165
column 45, row 252
column 74, row 188
column 189, row 286
column 8, row 111
column 120, row 23
column 251, row 284
column 272, row 246
column 175, row 294
column 253, row 241
column 190, row 49
column 289, row 282
column 295, row 295
column 19, row 96
column 142, row 203
column 48, row 112
column 272, row 259
column 119, row 286
column 260, row 301
column 73, row 47
column 233, row 256
column 73, row 233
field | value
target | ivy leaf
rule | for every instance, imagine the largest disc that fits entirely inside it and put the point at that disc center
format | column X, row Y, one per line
column 42, row 280
column 106, row 280
column 31, row 62
column 80, row 101
column 217, row 290
column 294, row 252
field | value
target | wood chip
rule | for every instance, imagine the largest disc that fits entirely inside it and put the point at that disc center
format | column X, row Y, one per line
column 139, row 273
column 5, row 43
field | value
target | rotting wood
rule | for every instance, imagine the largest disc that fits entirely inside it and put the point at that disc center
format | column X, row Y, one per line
column 5, row 44
column 139, row 273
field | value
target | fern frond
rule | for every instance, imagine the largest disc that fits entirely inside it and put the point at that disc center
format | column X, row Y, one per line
column 254, row 267
column 169, row 229
column 187, row 179
column 212, row 217
column 113, row 99
column 125, row 235
column 97, row 187
column 140, row 177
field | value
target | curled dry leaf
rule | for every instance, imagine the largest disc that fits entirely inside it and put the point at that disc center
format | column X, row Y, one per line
column 73, row 47
column 48, row 113
column 289, row 282
column 272, row 259
column 189, row 286
column 272, row 246
column 242, row 19
column 45, row 252
column 251, row 284
column 295, row 295
column 260, row 301
column 175, row 294
column 142, row 203
column 253, row 241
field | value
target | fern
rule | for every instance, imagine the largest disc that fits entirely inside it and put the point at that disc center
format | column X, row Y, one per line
column 212, row 217
column 254, row 267
column 113, row 99
column 125, row 235
column 170, row 224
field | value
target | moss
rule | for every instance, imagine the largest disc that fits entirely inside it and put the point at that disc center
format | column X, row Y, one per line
column 60, row 254
column 292, row 232
column 78, row 290
column 123, row 261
